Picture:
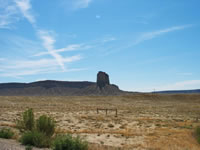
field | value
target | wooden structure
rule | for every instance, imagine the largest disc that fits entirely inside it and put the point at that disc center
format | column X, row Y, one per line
column 100, row 109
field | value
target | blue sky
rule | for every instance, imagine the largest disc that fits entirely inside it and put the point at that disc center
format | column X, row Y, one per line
column 142, row 44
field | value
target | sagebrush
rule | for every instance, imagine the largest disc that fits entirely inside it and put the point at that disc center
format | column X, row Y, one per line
column 36, row 133
column 35, row 138
column 197, row 132
column 27, row 122
column 45, row 125
column 67, row 142
column 6, row 133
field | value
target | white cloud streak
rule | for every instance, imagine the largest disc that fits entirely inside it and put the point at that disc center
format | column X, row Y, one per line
column 77, row 4
column 72, row 47
column 148, row 36
column 65, row 49
column 18, row 44
column 47, row 39
column 48, row 43
column 151, row 35
column 8, row 14
column 27, row 72
column 11, row 10
column 41, row 63
column 31, row 67
column 25, row 7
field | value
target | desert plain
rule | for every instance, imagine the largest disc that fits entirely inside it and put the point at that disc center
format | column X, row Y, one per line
column 143, row 122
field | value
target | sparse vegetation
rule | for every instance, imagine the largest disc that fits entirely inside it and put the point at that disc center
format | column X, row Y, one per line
column 38, row 135
column 142, row 119
column 67, row 142
column 198, row 134
column 27, row 122
column 35, row 138
column 6, row 133
column 45, row 125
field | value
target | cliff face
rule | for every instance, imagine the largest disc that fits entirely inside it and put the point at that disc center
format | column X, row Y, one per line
column 61, row 88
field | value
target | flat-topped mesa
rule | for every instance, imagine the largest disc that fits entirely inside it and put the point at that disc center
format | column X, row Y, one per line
column 102, row 79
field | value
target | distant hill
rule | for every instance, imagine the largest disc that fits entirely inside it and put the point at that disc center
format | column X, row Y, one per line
column 179, row 91
column 75, row 88
column 61, row 88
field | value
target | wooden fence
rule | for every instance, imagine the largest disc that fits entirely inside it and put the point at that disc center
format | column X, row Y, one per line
column 100, row 109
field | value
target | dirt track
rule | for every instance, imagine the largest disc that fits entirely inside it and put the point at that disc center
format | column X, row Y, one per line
column 13, row 145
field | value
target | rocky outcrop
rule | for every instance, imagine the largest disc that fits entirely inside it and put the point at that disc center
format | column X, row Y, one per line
column 102, row 79
column 61, row 88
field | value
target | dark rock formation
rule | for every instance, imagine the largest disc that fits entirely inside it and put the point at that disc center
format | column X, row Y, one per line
column 102, row 79
column 61, row 88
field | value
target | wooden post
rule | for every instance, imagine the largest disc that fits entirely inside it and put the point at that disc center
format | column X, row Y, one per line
column 99, row 109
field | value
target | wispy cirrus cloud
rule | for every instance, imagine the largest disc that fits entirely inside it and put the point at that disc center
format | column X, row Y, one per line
column 71, row 47
column 8, row 14
column 147, row 36
column 46, row 37
column 27, row 72
column 16, row 68
column 41, row 63
column 19, row 44
column 19, row 68
column 73, row 5
column 151, row 35
column 48, row 43
column 11, row 10
column 82, row 46
column 25, row 8
column 81, row 3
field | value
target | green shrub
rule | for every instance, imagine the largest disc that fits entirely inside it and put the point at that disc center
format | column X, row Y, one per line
column 27, row 122
column 35, row 138
column 45, row 125
column 38, row 134
column 198, row 134
column 6, row 133
column 67, row 142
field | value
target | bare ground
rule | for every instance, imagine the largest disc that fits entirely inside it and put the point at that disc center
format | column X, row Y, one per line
column 144, row 121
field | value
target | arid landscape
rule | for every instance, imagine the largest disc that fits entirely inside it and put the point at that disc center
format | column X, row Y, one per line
column 99, row 75
column 144, row 121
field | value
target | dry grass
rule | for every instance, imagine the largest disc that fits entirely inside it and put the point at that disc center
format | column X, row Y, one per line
column 145, row 121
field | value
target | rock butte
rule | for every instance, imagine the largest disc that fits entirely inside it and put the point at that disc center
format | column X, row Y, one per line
column 102, row 79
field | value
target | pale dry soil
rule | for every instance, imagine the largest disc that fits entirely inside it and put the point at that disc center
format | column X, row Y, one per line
column 144, row 121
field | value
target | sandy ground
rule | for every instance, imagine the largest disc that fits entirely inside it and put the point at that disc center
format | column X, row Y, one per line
column 13, row 145
column 144, row 121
